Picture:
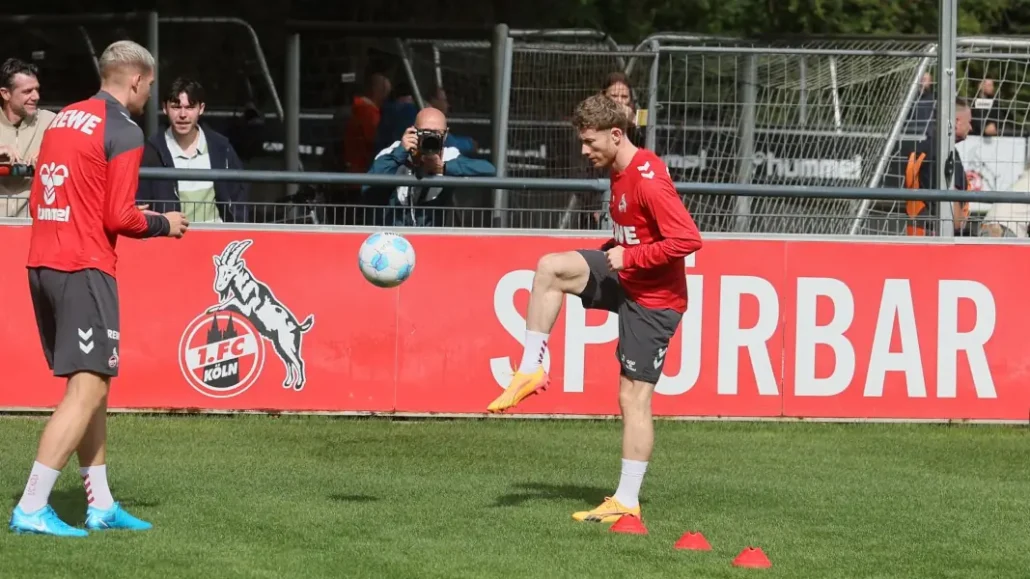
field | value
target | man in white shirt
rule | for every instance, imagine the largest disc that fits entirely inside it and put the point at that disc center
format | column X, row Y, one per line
column 21, row 131
column 188, row 145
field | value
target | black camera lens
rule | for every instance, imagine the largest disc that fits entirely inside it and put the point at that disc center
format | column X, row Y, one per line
column 431, row 144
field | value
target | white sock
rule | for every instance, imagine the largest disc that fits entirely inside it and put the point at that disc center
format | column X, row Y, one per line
column 628, row 492
column 98, row 494
column 533, row 355
column 37, row 490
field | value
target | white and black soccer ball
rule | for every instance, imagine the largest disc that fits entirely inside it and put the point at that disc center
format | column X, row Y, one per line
column 386, row 259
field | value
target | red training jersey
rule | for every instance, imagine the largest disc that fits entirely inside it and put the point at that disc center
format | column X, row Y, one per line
column 656, row 229
column 84, row 189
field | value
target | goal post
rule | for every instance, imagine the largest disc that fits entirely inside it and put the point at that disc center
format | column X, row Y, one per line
column 819, row 113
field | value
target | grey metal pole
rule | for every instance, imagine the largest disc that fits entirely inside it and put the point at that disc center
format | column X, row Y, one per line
column 803, row 90
column 503, row 47
column 292, row 109
column 746, row 150
column 409, row 72
column 153, row 45
column 652, row 99
column 946, row 47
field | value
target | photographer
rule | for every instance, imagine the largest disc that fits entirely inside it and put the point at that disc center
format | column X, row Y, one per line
column 420, row 152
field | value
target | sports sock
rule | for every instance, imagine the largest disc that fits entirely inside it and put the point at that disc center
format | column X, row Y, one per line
column 98, row 494
column 533, row 355
column 37, row 490
column 629, row 483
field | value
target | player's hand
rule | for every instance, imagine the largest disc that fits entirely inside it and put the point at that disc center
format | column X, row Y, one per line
column 177, row 224
column 410, row 140
column 615, row 256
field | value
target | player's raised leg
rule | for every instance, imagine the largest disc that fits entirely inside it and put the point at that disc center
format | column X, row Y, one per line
column 643, row 342
column 556, row 274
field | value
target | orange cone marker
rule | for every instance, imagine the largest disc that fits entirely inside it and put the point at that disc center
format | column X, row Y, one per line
column 693, row 541
column 752, row 557
column 630, row 525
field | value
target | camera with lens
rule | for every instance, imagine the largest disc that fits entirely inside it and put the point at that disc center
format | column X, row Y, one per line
column 429, row 142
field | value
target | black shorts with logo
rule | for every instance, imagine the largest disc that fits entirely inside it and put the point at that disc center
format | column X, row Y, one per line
column 644, row 333
column 77, row 317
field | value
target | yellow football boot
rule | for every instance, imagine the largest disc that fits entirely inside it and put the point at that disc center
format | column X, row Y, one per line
column 521, row 386
column 609, row 511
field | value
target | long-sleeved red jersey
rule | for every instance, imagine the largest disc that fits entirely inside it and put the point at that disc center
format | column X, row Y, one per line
column 84, row 190
column 656, row 229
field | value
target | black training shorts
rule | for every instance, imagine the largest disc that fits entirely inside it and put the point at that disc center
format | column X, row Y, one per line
column 644, row 333
column 77, row 317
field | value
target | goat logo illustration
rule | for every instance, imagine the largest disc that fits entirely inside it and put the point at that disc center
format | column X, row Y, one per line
column 227, row 358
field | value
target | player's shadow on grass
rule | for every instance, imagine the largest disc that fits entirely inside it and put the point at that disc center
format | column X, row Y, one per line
column 550, row 492
column 70, row 504
column 342, row 498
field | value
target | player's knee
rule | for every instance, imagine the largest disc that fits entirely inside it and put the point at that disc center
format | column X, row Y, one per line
column 562, row 271
column 87, row 390
column 548, row 271
column 635, row 395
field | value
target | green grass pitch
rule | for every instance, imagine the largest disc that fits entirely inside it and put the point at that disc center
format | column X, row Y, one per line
column 273, row 497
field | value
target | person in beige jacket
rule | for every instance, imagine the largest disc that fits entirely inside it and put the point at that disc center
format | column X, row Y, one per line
column 21, row 131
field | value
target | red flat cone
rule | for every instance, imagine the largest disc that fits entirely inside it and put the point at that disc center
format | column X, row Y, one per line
column 752, row 557
column 629, row 524
column 693, row 541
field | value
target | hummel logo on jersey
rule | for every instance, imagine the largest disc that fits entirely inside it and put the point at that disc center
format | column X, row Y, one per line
column 645, row 170
column 86, row 340
column 52, row 177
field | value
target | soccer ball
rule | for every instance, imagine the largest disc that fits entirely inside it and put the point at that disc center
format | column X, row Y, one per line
column 386, row 259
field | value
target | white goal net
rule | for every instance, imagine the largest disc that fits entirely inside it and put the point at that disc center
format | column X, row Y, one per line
column 825, row 114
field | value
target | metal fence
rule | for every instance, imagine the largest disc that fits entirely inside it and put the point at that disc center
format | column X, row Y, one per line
column 316, row 213
column 821, row 113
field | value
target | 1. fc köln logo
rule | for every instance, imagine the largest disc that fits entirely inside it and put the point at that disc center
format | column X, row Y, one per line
column 222, row 351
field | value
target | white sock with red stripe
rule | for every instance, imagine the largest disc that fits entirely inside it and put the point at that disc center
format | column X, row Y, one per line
column 37, row 490
column 533, row 355
column 98, row 494
column 632, row 477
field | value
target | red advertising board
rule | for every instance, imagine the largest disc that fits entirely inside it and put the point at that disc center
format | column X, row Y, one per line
column 812, row 329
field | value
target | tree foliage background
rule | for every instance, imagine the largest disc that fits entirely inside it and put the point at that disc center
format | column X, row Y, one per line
column 632, row 20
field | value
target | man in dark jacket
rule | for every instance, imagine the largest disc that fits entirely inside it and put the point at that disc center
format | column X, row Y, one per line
column 188, row 145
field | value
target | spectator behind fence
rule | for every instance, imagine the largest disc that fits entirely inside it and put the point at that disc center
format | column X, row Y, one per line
column 421, row 152
column 399, row 114
column 986, row 115
column 465, row 145
column 1009, row 219
column 617, row 87
column 187, row 145
column 21, row 131
column 921, row 173
column 360, row 133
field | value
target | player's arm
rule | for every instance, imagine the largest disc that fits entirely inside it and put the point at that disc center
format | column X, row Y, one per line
column 680, row 236
column 123, row 146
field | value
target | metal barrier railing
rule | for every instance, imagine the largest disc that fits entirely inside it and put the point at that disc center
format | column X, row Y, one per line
column 315, row 209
